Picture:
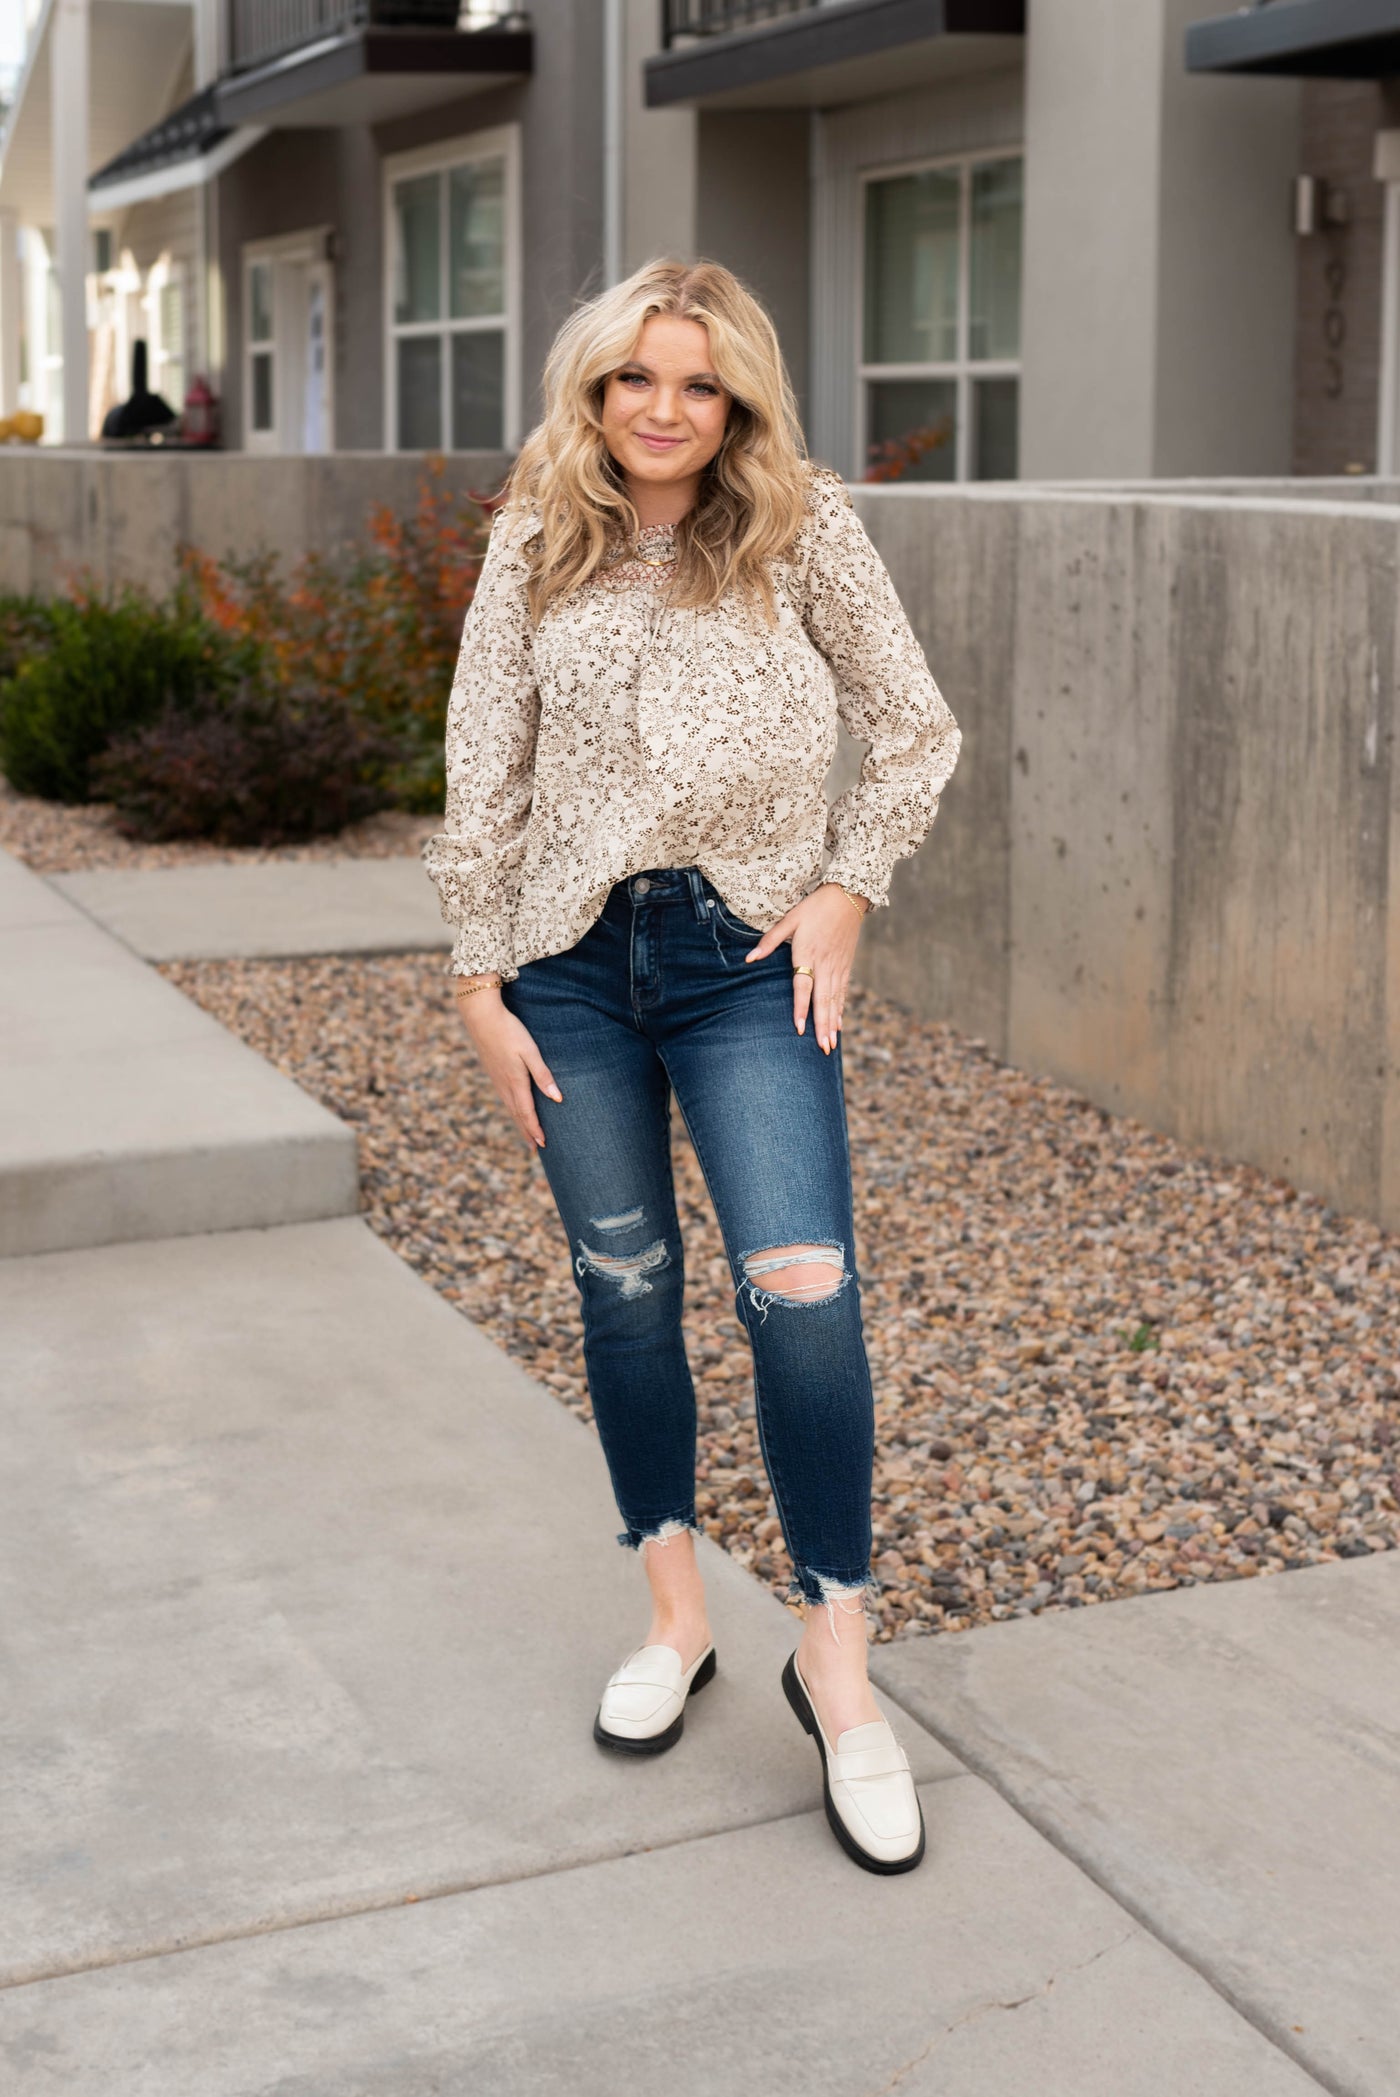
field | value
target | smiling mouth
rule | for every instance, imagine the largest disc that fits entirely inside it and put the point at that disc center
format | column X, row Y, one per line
column 660, row 443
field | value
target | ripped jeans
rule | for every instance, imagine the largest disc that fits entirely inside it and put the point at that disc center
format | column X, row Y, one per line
column 655, row 996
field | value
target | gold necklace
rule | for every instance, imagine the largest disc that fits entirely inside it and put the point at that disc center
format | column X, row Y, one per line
column 634, row 552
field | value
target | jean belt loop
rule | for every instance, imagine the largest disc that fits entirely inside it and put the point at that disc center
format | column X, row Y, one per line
column 697, row 892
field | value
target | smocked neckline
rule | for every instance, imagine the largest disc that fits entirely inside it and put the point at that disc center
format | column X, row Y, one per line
column 653, row 547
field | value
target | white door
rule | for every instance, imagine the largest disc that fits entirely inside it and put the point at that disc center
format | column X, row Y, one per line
column 316, row 397
column 288, row 308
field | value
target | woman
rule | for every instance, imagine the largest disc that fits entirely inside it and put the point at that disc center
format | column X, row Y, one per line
column 674, row 609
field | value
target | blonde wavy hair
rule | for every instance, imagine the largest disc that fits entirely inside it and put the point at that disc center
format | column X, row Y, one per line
column 751, row 501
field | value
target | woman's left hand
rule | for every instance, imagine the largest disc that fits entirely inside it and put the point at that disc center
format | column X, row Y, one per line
column 823, row 928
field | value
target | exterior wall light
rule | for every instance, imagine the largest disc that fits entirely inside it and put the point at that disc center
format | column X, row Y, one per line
column 1318, row 203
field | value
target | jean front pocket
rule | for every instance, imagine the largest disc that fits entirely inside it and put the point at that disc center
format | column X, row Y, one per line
column 725, row 916
column 734, row 942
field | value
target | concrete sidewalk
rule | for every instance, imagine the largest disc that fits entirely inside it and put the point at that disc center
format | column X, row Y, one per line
column 264, row 909
column 1226, row 1761
column 125, row 1111
column 309, row 1594
column 309, row 1597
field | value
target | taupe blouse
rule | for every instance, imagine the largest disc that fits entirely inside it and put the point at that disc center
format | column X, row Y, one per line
column 624, row 733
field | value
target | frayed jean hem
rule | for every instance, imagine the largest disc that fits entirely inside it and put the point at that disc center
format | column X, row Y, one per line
column 657, row 1532
column 836, row 1591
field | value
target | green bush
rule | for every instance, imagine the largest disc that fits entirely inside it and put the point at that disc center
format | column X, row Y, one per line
column 25, row 626
column 104, row 666
column 258, row 767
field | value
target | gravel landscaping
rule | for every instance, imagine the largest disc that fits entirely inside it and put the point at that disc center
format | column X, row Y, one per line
column 54, row 839
column 1104, row 1364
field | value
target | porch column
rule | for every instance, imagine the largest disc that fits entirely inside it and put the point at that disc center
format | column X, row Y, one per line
column 11, row 308
column 68, row 73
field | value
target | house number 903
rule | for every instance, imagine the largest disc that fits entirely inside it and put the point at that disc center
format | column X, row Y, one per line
column 1334, row 326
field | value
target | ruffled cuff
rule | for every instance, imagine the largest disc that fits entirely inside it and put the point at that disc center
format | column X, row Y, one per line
column 864, row 876
column 482, row 946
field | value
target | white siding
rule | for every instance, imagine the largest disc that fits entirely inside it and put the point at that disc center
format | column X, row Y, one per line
column 984, row 110
column 165, row 225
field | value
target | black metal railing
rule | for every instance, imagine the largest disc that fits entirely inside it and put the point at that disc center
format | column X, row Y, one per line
column 683, row 18
column 260, row 30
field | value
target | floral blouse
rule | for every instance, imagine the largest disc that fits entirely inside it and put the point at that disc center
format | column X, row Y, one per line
column 624, row 733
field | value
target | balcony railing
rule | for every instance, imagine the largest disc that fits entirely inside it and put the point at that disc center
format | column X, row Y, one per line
column 686, row 18
column 260, row 30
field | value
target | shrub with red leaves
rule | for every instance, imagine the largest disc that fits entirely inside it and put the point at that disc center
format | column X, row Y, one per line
column 378, row 627
column 262, row 767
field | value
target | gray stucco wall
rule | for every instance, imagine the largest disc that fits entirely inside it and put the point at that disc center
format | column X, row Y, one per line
column 659, row 155
column 1162, row 871
column 1159, row 257
column 1227, row 264
column 752, row 202
column 1089, row 304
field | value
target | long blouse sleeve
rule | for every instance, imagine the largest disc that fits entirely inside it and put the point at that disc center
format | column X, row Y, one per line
column 493, row 714
column 886, row 697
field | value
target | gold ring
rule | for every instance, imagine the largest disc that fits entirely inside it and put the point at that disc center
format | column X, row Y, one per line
column 804, row 972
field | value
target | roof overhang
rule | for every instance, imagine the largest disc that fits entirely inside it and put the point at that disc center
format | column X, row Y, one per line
column 845, row 51
column 367, row 75
column 136, row 51
column 1331, row 39
column 118, row 191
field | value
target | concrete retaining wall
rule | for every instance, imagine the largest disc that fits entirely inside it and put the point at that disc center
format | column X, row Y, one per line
column 122, row 517
column 1162, row 870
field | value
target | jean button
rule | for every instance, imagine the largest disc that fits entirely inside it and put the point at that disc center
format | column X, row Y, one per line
column 641, row 886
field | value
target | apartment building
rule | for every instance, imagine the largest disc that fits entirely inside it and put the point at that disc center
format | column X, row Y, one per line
column 1034, row 238
column 361, row 218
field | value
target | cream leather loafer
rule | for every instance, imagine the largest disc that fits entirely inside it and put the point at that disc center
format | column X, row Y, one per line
column 871, row 1802
column 643, row 1707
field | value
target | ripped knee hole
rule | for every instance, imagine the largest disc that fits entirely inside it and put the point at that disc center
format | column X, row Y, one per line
column 628, row 1270
column 796, row 1273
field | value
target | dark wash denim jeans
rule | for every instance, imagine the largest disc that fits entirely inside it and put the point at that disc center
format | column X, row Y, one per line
column 657, row 995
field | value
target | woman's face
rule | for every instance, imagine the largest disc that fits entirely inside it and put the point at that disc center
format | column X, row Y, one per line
column 664, row 411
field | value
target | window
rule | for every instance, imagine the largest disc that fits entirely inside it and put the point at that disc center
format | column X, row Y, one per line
column 262, row 348
column 939, row 375
column 452, row 296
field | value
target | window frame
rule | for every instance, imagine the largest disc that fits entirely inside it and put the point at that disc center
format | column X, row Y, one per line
column 962, row 369
column 167, row 274
column 500, row 142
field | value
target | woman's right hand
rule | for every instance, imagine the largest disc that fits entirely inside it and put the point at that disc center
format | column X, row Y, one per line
column 510, row 1058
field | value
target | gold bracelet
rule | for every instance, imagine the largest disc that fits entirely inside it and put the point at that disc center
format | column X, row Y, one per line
column 860, row 909
column 465, row 990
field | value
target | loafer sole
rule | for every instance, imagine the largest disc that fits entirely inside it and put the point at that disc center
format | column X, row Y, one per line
column 655, row 1743
column 806, row 1717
